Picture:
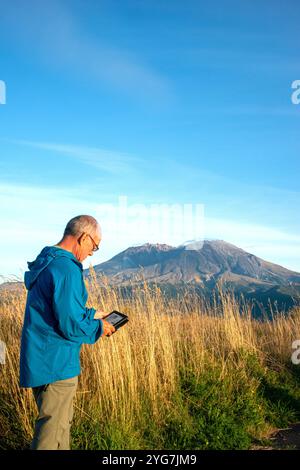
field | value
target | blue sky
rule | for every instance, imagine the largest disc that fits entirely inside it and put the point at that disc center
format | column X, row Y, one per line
column 159, row 102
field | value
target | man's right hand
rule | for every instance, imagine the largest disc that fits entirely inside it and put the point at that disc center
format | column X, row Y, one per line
column 108, row 328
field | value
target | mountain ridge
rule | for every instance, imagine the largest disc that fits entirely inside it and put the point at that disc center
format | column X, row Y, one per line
column 215, row 257
column 215, row 262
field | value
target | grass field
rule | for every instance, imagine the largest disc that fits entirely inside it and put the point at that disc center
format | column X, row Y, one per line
column 179, row 375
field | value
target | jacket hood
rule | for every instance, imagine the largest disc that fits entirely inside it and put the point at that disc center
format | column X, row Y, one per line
column 46, row 256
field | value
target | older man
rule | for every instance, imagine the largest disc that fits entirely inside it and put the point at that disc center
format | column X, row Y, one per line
column 56, row 324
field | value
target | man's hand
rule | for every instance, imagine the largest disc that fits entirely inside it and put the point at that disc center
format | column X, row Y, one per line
column 108, row 328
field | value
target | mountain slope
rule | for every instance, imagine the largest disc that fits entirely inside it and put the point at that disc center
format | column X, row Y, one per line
column 215, row 262
column 216, row 259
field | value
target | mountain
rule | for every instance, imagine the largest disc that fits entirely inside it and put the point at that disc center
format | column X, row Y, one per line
column 216, row 259
column 202, row 267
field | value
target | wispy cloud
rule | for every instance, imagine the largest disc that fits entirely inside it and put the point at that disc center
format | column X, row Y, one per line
column 55, row 32
column 105, row 160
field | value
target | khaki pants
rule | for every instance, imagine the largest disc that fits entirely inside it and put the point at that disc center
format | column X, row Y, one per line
column 55, row 405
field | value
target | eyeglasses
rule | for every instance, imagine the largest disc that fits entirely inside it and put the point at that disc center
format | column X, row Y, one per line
column 95, row 247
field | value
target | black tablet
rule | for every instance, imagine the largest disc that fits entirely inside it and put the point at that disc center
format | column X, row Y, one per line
column 117, row 319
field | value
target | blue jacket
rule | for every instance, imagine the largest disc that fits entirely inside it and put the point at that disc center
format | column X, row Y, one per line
column 56, row 321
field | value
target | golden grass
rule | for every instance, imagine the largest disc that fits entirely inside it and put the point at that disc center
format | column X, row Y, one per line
column 139, row 365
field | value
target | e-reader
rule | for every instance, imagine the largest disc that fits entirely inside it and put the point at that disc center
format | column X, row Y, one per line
column 117, row 319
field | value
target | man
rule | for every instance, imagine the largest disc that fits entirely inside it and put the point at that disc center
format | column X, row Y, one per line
column 56, row 324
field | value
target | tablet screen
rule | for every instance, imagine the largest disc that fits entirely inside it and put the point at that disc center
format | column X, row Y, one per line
column 113, row 318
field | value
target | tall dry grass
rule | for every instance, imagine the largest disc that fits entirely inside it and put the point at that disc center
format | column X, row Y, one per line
column 139, row 366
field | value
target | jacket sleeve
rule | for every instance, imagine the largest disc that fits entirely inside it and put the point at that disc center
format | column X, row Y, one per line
column 75, row 321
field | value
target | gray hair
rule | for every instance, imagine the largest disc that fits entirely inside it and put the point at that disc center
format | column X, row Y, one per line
column 80, row 224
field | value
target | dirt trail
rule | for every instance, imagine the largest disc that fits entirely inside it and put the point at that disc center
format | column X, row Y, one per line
column 283, row 439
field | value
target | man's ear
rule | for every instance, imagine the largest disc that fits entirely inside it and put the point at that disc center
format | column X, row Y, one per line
column 82, row 236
